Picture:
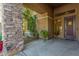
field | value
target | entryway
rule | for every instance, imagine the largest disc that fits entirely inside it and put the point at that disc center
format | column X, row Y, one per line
column 69, row 27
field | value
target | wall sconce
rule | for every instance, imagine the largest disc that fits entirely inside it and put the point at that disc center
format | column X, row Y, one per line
column 59, row 20
column 60, row 28
column 69, row 23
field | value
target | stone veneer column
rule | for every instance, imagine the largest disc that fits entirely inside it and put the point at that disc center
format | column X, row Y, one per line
column 12, row 28
column 1, row 41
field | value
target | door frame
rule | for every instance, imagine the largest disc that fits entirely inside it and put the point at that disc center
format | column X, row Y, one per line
column 74, row 29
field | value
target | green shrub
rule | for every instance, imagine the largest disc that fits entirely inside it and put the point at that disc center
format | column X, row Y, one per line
column 31, row 19
column 44, row 33
column 0, row 36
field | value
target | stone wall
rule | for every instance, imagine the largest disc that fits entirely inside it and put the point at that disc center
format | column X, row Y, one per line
column 12, row 28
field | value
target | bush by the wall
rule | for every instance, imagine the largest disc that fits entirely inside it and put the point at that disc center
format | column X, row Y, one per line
column 44, row 34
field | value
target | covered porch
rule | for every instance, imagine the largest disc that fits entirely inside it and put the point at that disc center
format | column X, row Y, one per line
column 53, row 47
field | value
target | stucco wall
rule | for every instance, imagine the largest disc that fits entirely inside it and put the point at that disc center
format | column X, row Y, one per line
column 42, row 22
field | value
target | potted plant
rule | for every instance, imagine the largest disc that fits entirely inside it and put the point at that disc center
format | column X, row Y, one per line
column 44, row 34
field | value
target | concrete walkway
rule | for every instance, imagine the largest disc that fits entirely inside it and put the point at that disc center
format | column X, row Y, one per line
column 51, row 48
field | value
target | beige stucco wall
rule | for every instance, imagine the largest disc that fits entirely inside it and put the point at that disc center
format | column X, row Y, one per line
column 42, row 22
column 66, row 8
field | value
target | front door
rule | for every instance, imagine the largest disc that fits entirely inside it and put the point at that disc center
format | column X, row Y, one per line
column 69, row 27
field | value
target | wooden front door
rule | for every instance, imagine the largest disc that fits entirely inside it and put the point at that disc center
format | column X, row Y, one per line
column 69, row 27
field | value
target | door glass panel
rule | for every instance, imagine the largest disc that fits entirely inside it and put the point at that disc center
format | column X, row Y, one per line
column 69, row 27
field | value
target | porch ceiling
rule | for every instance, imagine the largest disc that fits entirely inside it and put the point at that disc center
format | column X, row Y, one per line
column 41, row 7
column 55, row 5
